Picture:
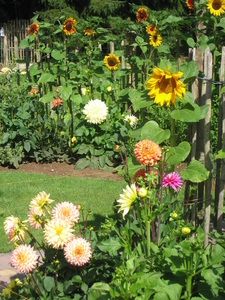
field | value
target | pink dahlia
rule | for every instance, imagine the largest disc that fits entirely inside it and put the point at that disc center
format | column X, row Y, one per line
column 66, row 211
column 78, row 252
column 24, row 259
column 34, row 220
column 173, row 180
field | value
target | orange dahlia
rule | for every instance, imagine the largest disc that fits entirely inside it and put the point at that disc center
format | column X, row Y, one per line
column 56, row 102
column 34, row 28
column 142, row 14
column 68, row 26
column 190, row 4
column 147, row 152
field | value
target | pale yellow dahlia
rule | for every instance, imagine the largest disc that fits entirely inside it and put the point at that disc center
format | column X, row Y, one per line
column 58, row 233
column 68, row 26
column 147, row 152
column 15, row 229
column 95, row 111
column 5, row 70
column 24, row 259
column 165, row 86
column 78, row 252
column 127, row 198
column 216, row 7
column 40, row 203
column 155, row 40
column 111, row 61
column 66, row 211
column 131, row 119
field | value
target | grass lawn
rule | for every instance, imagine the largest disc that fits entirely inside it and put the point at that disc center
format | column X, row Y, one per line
column 18, row 188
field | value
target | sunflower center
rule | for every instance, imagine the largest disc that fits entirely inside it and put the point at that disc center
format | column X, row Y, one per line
column 111, row 62
column 216, row 5
column 142, row 15
column 68, row 26
column 78, row 251
column 154, row 38
column 167, row 85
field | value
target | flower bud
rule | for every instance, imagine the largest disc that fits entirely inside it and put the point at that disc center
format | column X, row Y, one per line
column 109, row 88
column 79, row 207
column 142, row 192
column 117, row 148
column 73, row 140
column 186, row 230
column 174, row 215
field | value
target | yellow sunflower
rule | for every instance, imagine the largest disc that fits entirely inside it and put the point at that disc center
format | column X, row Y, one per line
column 111, row 61
column 190, row 4
column 34, row 28
column 165, row 86
column 68, row 26
column 155, row 40
column 151, row 29
column 142, row 14
column 216, row 7
column 89, row 31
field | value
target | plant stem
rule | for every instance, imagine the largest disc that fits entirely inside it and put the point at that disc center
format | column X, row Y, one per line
column 142, row 234
column 188, row 287
column 172, row 141
column 148, row 229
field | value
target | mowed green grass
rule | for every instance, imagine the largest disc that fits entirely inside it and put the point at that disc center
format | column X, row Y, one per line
column 18, row 188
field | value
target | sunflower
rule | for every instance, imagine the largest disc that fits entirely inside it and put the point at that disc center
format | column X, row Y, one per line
column 68, row 26
column 190, row 4
column 34, row 28
column 165, row 86
column 142, row 14
column 112, row 61
column 151, row 29
column 216, row 7
column 89, row 31
column 155, row 40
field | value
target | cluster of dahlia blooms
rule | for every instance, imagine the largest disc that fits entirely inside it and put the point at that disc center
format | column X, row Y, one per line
column 58, row 224
column 148, row 154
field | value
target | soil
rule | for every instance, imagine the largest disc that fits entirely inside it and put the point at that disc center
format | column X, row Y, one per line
column 63, row 169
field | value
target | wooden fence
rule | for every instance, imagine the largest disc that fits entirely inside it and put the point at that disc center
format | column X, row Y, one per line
column 14, row 32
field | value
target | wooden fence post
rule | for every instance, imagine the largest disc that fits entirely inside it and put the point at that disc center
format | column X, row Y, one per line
column 206, row 93
column 6, row 55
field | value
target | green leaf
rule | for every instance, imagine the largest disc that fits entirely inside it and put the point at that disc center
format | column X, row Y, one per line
column 191, row 113
column 139, row 99
column 195, row 172
column 152, row 131
column 5, row 138
column 49, row 283
column 110, row 245
column 58, row 55
column 82, row 164
column 67, row 119
column 26, row 146
column 133, row 166
column 23, row 130
column 24, row 43
column 76, row 98
column 178, row 154
column 47, row 98
column 46, row 77
column 34, row 70
column 191, row 42
column 172, row 19
column 100, row 286
column 66, row 92
column 190, row 71
column 221, row 154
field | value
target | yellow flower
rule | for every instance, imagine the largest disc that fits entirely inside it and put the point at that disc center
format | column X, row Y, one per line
column 5, row 70
column 142, row 14
column 151, row 29
column 127, row 198
column 190, row 4
column 112, row 61
column 89, row 31
column 68, row 26
column 142, row 192
column 109, row 88
column 165, row 86
column 186, row 230
column 40, row 203
column 155, row 40
column 216, row 7
column 73, row 140
column 34, row 28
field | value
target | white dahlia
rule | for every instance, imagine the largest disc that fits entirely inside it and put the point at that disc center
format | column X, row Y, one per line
column 95, row 111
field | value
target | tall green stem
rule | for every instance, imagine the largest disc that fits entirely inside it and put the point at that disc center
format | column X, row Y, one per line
column 172, row 141
column 188, row 286
column 148, row 229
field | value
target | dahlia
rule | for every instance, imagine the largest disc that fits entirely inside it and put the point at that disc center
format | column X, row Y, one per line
column 5, row 70
column 95, row 111
column 15, row 229
column 57, row 233
column 127, row 198
column 147, row 152
column 57, row 102
column 131, row 119
column 173, row 180
column 34, row 220
column 24, row 259
column 40, row 203
column 66, row 211
column 77, row 252
column 33, row 91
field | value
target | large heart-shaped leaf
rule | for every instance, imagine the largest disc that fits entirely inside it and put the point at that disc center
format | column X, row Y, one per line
column 195, row 172
column 151, row 131
column 178, row 154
